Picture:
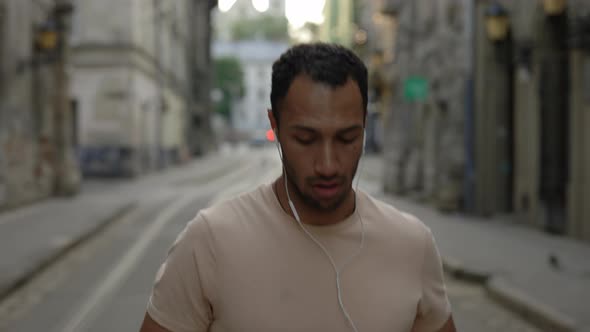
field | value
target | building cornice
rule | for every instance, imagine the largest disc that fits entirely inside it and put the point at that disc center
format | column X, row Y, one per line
column 99, row 55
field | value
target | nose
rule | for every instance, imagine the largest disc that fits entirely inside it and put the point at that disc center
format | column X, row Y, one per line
column 327, row 162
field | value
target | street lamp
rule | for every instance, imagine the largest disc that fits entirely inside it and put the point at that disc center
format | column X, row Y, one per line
column 554, row 7
column 497, row 22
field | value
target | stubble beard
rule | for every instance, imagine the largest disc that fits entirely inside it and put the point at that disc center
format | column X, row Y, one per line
column 307, row 199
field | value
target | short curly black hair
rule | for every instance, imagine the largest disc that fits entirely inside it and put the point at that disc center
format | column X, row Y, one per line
column 327, row 63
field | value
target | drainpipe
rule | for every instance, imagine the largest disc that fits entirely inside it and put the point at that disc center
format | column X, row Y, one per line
column 469, row 135
column 159, row 72
column 67, row 172
column 406, row 145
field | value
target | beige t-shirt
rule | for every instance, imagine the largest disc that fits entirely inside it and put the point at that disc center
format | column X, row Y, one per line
column 246, row 265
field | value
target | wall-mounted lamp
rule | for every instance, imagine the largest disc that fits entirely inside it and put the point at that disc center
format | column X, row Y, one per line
column 50, row 34
column 497, row 22
column 554, row 7
column 46, row 37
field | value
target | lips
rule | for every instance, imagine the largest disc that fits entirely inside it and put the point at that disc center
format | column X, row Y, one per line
column 326, row 189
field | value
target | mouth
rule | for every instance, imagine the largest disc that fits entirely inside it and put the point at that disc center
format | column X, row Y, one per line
column 326, row 190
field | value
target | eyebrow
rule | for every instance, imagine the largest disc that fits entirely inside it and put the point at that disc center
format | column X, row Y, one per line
column 340, row 131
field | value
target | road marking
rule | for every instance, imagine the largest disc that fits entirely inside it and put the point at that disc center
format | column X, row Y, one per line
column 125, row 265
column 89, row 309
column 269, row 169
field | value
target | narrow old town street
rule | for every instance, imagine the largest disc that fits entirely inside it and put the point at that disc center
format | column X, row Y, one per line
column 122, row 120
column 103, row 282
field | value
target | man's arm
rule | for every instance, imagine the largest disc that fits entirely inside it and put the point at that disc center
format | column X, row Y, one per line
column 178, row 301
column 150, row 325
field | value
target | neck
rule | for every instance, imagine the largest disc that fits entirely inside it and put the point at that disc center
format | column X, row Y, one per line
column 310, row 215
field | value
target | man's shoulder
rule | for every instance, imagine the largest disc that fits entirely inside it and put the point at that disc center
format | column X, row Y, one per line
column 401, row 222
column 242, row 206
column 248, row 198
column 233, row 220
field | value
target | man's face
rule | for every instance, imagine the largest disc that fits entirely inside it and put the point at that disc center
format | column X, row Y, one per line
column 321, row 135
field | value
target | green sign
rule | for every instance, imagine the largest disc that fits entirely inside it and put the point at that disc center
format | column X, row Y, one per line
column 415, row 88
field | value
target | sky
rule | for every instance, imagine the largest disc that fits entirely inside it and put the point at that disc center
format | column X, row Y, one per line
column 297, row 11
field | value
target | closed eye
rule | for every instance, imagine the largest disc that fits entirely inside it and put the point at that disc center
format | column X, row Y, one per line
column 304, row 141
column 348, row 140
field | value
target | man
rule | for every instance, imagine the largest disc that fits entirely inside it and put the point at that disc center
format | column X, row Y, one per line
column 307, row 252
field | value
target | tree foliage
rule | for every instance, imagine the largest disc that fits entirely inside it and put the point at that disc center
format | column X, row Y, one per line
column 229, row 80
column 313, row 28
column 268, row 27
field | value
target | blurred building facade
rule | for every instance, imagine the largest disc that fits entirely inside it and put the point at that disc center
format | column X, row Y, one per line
column 498, row 125
column 140, row 83
column 531, row 86
column 369, row 31
column 36, row 142
column 541, row 70
column 201, row 137
column 339, row 22
column 249, row 117
column 241, row 9
column 577, row 207
column 424, row 137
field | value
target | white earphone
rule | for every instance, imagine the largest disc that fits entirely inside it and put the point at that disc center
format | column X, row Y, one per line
column 364, row 142
column 337, row 270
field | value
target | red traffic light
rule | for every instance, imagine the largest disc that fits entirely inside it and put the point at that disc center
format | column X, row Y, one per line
column 270, row 135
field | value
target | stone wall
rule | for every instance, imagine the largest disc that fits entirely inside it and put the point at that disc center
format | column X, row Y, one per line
column 26, row 97
column 424, row 139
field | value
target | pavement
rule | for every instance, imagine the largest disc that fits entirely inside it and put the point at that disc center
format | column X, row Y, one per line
column 34, row 236
column 545, row 278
